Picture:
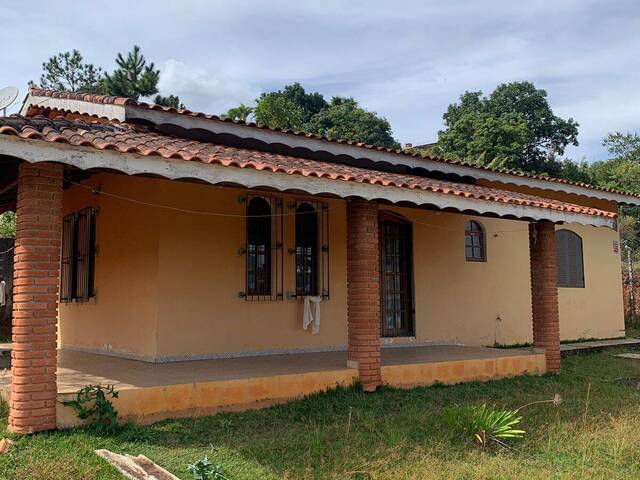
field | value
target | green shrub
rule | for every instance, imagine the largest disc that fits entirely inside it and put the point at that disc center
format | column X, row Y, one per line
column 205, row 470
column 487, row 426
column 91, row 403
column 484, row 425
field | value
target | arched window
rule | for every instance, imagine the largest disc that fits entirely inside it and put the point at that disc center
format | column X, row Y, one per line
column 569, row 259
column 474, row 242
column 306, row 250
column 258, row 247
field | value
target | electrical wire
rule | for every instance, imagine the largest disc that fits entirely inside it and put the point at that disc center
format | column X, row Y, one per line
column 97, row 191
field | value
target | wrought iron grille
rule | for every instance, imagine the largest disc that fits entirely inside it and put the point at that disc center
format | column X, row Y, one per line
column 312, row 248
column 77, row 269
column 263, row 248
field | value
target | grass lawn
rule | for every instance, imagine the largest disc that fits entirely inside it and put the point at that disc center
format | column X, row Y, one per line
column 392, row 434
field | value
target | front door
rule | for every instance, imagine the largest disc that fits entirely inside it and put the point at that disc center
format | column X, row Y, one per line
column 396, row 277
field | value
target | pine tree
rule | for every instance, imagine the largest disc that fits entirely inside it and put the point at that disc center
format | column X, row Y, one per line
column 132, row 78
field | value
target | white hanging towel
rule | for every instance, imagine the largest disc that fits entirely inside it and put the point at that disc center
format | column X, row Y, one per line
column 3, row 293
column 310, row 318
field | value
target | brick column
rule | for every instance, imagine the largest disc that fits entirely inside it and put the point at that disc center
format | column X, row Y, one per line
column 35, row 295
column 363, row 291
column 544, row 292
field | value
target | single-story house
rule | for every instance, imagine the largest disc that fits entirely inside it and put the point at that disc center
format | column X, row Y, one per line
column 200, row 263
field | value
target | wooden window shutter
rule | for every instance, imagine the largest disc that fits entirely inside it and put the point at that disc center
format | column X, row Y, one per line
column 569, row 259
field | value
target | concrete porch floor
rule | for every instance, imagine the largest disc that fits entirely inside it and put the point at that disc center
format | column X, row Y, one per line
column 150, row 392
column 76, row 369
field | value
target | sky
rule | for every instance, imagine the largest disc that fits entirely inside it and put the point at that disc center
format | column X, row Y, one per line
column 405, row 60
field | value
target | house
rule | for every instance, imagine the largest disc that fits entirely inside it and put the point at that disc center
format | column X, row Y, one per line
column 175, row 253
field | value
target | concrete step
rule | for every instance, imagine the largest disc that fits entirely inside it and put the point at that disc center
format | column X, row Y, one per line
column 596, row 345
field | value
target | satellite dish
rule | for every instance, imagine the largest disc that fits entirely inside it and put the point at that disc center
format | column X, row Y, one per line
column 7, row 97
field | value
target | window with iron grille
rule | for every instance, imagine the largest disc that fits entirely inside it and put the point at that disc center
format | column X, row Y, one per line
column 569, row 259
column 312, row 248
column 263, row 249
column 474, row 242
column 77, row 268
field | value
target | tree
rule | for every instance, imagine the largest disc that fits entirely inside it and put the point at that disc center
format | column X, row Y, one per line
column 241, row 112
column 622, row 172
column 514, row 127
column 68, row 72
column 132, row 78
column 7, row 224
column 344, row 119
column 310, row 103
column 290, row 108
column 579, row 172
column 623, row 146
column 170, row 101
column 293, row 108
column 276, row 111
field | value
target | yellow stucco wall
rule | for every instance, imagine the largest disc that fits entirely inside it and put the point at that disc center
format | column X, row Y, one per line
column 482, row 303
column 595, row 311
column 201, row 275
column 167, row 282
column 122, row 317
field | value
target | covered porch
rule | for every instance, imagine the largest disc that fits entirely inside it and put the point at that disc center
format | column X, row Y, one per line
column 174, row 267
column 150, row 392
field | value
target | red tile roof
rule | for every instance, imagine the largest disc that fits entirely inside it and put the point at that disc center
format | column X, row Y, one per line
column 137, row 139
column 114, row 100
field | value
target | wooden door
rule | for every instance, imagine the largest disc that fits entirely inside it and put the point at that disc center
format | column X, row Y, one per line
column 396, row 273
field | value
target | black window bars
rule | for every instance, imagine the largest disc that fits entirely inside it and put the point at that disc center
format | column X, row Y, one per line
column 263, row 248
column 77, row 269
column 311, row 249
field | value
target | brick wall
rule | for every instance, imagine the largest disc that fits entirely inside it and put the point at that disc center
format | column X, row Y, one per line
column 363, row 290
column 35, row 294
column 544, row 292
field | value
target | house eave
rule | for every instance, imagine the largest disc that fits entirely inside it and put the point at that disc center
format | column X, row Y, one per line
column 273, row 137
column 87, row 158
column 302, row 142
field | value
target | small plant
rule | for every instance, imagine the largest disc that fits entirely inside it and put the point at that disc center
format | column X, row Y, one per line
column 485, row 424
column 205, row 470
column 490, row 426
column 225, row 423
column 91, row 403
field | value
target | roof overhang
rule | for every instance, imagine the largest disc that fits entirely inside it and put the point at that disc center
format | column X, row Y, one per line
column 300, row 143
column 381, row 156
column 88, row 158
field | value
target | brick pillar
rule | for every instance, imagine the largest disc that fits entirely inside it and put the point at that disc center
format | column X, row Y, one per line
column 35, row 295
column 544, row 292
column 363, row 291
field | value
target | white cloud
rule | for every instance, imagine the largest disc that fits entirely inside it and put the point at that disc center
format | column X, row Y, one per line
column 210, row 92
column 406, row 59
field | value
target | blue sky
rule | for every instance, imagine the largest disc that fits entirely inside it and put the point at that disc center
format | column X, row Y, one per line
column 406, row 60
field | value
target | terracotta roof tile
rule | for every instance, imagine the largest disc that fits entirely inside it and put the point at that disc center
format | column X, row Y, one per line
column 111, row 100
column 137, row 139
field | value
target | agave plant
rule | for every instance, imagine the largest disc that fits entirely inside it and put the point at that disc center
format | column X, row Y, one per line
column 485, row 425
